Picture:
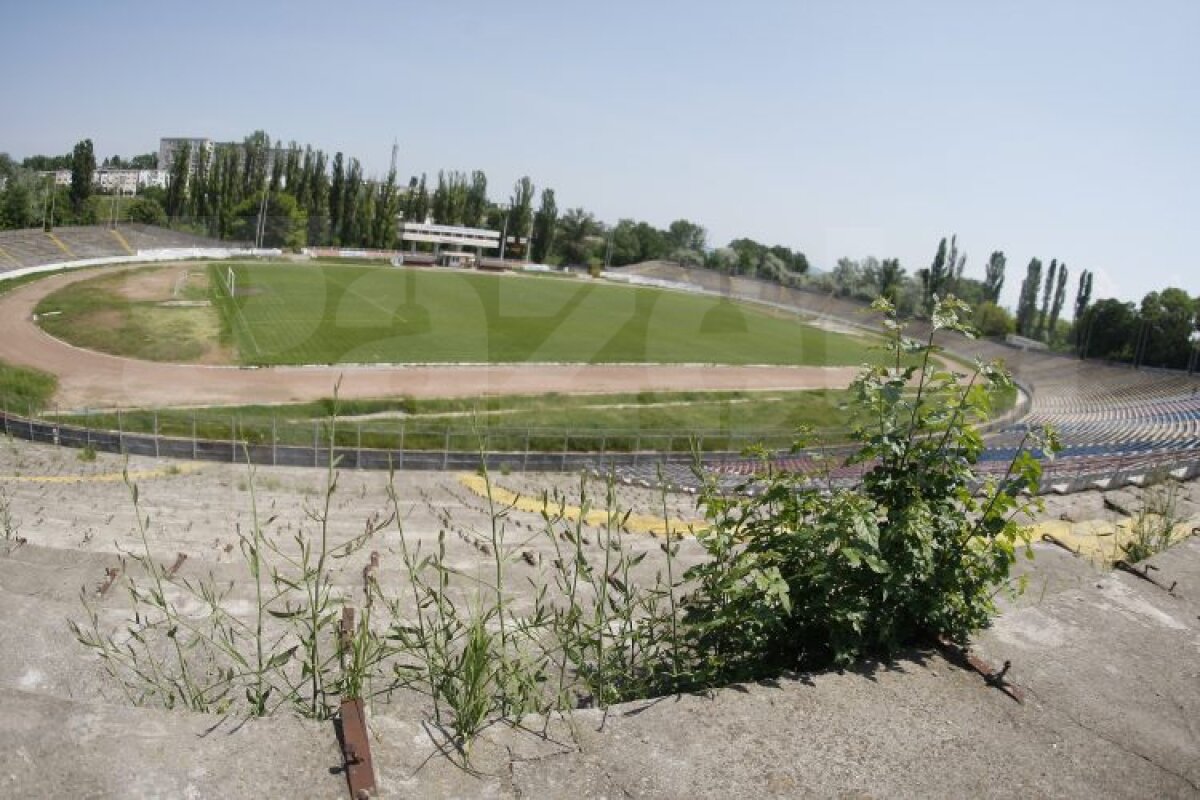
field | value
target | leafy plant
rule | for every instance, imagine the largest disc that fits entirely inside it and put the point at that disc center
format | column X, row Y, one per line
column 1154, row 525
column 801, row 574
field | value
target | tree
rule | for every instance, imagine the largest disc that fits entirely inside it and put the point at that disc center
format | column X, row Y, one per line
column 683, row 234
column 544, row 224
column 1109, row 329
column 16, row 205
column 1060, row 295
column 955, row 263
column 286, row 223
column 891, row 277
column 337, row 194
column 1169, row 317
column 1047, row 290
column 520, row 215
column 993, row 282
column 1083, row 296
column 934, row 278
column 992, row 320
column 1027, row 303
column 352, row 227
column 635, row 242
column 387, row 206
column 146, row 211
column 576, row 232
column 83, row 165
column 476, row 201
column 177, row 183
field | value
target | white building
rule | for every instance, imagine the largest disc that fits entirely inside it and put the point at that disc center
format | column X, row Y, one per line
column 169, row 146
column 128, row 181
column 62, row 177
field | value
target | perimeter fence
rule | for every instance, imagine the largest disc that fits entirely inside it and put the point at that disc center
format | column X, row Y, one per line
column 359, row 445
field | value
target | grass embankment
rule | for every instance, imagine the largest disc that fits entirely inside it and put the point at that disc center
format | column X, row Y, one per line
column 24, row 390
column 717, row 421
column 327, row 313
column 130, row 314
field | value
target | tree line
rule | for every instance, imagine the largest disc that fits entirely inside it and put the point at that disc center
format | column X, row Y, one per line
column 1161, row 331
column 303, row 197
column 312, row 199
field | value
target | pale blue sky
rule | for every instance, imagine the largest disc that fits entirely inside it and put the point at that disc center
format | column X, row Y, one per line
column 1059, row 130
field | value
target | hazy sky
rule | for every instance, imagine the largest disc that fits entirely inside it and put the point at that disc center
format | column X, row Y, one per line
column 1058, row 130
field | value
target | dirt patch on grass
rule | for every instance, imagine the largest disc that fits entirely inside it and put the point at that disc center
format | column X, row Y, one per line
column 152, row 284
column 140, row 314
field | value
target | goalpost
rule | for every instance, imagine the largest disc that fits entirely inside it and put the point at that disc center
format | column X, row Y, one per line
column 230, row 281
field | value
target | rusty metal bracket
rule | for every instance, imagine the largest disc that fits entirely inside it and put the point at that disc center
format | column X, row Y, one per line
column 1054, row 540
column 110, row 577
column 356, row 750
column 179, row 559
column 992, row 677
column 1144, row 574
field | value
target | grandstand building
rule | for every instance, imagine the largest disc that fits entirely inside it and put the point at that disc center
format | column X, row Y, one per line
column 450, row 242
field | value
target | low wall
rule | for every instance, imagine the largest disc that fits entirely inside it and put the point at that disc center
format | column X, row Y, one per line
column 143, row 256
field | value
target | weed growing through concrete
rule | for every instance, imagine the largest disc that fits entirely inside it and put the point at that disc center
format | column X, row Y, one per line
column 10, row 526
column 182, row 646
column 1154, row 525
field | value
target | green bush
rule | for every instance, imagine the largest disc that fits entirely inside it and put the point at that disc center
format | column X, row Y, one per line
column 801, row 575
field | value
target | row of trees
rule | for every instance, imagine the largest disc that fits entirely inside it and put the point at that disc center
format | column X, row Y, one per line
column 1162, row 331
column 307, row 198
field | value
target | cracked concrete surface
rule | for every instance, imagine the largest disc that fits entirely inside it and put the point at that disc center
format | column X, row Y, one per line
column 1109, row 664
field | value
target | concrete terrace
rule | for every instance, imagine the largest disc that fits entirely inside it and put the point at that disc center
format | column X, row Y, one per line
column 1107, row 664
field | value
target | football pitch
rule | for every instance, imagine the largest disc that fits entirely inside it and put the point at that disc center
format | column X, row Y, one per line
column 280, row 314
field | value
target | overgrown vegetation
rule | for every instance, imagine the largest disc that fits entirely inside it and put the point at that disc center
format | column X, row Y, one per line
column 797, row 574
column 667, row 421
column 1154, row 524
column 24, row 390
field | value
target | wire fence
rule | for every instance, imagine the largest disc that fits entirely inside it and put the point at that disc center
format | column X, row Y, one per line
column 355, row 445
column 365, row 445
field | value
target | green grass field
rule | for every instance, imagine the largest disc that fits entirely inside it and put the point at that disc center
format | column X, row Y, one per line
column 332, row 313
column 622, row 422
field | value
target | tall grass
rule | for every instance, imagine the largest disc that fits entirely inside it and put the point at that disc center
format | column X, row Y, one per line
column 25, row 390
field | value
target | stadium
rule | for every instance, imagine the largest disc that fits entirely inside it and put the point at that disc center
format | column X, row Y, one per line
column 295, row 329
column 217, row 409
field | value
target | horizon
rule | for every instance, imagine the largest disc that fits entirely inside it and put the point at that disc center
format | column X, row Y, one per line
column 1056, row 133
